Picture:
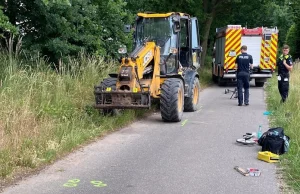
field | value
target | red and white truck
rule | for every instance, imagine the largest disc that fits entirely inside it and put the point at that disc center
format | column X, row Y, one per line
column 261, row 43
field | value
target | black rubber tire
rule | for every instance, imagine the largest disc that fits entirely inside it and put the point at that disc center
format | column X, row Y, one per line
column 221, row 81
column 259, row 84
column 106, row 83
column 189, row 104
column 172, row 94
column 213, row 76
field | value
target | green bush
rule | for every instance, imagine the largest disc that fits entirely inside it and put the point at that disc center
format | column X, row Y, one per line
column 205, row 72
column 291, row 39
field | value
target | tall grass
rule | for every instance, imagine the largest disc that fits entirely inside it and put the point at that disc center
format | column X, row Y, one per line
column 287, row 115
column 205, row 73
column 44, row 113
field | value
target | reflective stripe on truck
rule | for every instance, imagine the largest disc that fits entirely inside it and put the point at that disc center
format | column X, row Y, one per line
column 232, row 47
column 269, row 51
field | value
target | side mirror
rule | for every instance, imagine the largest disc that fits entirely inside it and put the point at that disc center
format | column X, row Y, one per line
column 127, row 28
column 122, row 49
column 176, row 26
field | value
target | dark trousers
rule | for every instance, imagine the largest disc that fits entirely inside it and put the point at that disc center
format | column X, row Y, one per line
column 283, row 87
column 243, row 82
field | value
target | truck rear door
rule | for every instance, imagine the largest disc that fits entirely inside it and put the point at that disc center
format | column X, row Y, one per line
column 253, row 44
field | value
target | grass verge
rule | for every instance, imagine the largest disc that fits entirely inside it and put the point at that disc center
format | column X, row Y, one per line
column 205, row 73
column 45, row 114
column 287, row 115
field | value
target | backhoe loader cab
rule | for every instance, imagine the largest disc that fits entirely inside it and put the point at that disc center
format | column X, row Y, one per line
column 175, row 34
column 162, row 65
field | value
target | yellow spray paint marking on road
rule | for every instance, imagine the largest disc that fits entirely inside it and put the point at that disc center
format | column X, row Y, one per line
column 199, row 109
column 198, row 122
column 74, row 183
column 71, row 183
column 98, row 184
column 184, row 122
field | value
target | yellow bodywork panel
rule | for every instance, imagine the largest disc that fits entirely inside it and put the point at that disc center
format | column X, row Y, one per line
column 158, row 15
column 150, row 53
column 155, row 15
column 155, row 85
column 145, row 56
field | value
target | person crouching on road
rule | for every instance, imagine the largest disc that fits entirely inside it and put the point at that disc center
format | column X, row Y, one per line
column 243, row 62
column 285, row 65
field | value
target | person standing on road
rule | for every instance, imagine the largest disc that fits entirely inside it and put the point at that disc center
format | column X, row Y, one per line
column 243, row 62
column 285, row 65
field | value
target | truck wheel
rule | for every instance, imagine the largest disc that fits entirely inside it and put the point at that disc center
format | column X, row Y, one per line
column 214, row 77
column 190, row 103
column 221, row 81
column 172, row 100
column 106, row 83
column 259, row 84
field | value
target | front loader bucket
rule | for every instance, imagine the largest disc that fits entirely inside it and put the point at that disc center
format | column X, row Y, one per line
column 121, row 99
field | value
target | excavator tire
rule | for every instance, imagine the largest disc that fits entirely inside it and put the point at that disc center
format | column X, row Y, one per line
column 172, row 100
column 190, row 103
column 106, row 83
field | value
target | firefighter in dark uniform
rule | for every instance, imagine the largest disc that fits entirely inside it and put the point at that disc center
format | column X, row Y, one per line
column 285, row 65
column 243, row 62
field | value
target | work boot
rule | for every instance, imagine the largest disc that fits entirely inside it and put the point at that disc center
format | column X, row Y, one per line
column 282, row 101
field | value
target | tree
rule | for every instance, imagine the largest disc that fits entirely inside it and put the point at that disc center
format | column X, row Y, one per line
column 64, row 27
column 210, row 9
column 58, row 28
column 291, row 39
column 296, row 9
column 5, row 25
column 112, row 16
column 282, row 16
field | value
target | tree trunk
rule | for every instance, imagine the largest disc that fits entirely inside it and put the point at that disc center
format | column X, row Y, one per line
column 209, row 8
column 206, row 34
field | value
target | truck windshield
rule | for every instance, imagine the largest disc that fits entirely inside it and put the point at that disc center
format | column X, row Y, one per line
column 158, row 30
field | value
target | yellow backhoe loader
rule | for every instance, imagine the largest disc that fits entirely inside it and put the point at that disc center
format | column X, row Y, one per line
column 162, row 65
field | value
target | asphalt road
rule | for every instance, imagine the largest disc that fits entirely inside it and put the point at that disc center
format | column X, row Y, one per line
column 196, row 155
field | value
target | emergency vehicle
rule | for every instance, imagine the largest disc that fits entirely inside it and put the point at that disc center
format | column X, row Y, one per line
column 261, row 43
